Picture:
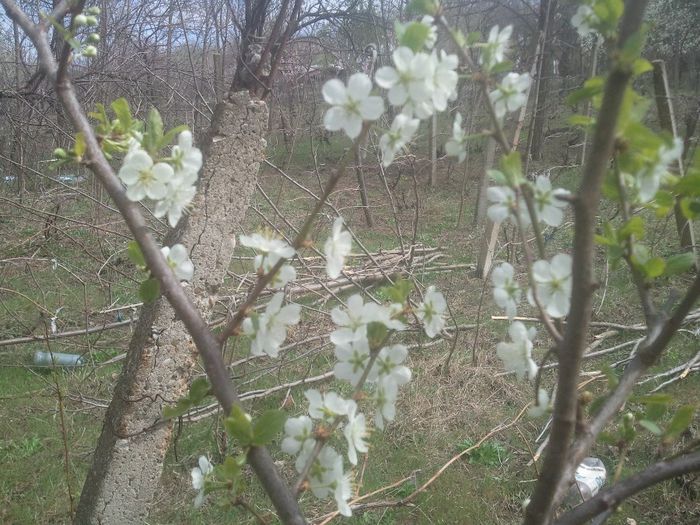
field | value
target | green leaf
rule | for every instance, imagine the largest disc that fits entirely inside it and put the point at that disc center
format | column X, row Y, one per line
column 199, row 390
column 611, row 376
column 135, row 255
column 689, row 185
column 651, row 427
column 181, row 407
column 681, row 420
column 641, row 66
column 170, row 135
column 267, row 426
column 423, row 7
column 502, row 67
column 690, row 208
column 473, row 37
column 399, row 291
column 581, row 120
column 592, row 87
column 123, row 113
column 153, row 137
column 80, row 146
column 230, row 469
column 512, row 168
column 149, row 290
column 654, row 267
column 498, row 177
column 680, row 263
column 414, row 36
column 376, row 335
column 635, row 226
column 239, row 427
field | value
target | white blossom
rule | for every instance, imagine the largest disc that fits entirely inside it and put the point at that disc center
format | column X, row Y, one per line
column 352, row 322
column 650, row 179
column 326, row 476
column 553, row 285
column 355, row 432
column 353, row 358
column 431, row 312
column 493, row 52
column 187, row 158
column 179, row 261
column 351, row 104
column 269, row 329
column 389, row 367
column 297, row 431
column 337, row 248
column 408, row 81
column 542, row 405
column 443, row 82
column 325, row 406
column 143, row 178
column 583, row 21
column 199, row 475
column 506, row 291
column 456, row 146
column 401, row 133
column 505, row 205
column 385, row 399
column 175, row 202
column 510, row 95
column 547, row 202
column 517, row 355
column 342, row 493
column 270, row 246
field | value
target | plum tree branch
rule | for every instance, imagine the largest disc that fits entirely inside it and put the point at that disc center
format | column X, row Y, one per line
column 207, row 344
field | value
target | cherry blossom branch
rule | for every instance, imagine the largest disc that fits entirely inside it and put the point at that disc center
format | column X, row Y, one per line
column 321, row 440
column 479, row 77
column 571, row 348
column 205, row 341
column 300, row 241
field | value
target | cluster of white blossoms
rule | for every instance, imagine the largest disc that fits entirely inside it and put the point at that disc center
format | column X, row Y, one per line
column 268, row 329
column 362, row 362
column 549, row 203
column 509, row 95
column 649, row 180
column 169, row 182
column 420, row 82
column 493, row 51
column 199, row 476
column 585, row 20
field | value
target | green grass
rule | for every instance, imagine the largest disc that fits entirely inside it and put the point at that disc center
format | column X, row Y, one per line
column 438, row 415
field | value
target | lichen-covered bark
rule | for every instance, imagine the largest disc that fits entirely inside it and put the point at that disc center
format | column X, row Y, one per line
column 128, row 459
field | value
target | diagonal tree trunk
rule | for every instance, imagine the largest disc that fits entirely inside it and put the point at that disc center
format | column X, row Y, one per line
column 128, row 460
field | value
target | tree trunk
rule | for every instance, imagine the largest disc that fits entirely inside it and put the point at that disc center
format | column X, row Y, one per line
column 128, row 460
column 545, row 71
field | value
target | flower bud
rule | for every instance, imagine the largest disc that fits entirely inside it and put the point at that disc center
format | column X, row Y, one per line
column 90, row 51
column 60, row 153
column 94, row 10
column 93, row 38
column 79, row 20
column 91, row 21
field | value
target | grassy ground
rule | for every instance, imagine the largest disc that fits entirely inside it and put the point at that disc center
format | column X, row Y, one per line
column 440, row 413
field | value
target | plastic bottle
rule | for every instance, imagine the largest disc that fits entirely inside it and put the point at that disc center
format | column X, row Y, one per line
column 57, row 359
column 590, row 477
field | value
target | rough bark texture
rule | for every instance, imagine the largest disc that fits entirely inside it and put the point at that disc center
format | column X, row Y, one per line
column 129, row 456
